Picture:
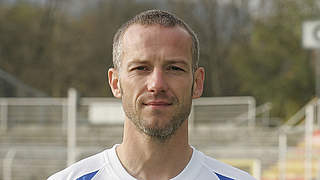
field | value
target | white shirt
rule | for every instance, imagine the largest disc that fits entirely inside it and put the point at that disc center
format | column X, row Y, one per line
column 107, row 166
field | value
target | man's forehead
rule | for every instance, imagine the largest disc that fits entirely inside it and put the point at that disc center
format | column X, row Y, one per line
column 136, row 31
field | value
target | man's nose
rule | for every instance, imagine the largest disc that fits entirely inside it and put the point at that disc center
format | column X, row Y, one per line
column 157, row 82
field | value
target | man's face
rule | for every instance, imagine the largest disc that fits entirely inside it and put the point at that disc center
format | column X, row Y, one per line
column 156, row 79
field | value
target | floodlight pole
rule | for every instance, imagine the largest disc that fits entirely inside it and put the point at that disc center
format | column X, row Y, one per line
column 311, row 40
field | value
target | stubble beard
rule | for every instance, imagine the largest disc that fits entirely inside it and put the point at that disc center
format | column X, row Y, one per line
column 160, row 134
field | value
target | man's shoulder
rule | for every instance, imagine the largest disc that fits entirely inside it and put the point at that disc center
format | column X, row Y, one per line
column 86, row 167
column 224, row 171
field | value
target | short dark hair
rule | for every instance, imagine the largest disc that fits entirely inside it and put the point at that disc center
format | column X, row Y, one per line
column 152, row 17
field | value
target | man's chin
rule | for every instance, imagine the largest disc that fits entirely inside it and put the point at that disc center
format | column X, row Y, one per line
column 159, row 134
column 158, row 125
column 158, row 131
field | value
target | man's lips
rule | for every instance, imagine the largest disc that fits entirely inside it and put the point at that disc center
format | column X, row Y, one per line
column 157, row 103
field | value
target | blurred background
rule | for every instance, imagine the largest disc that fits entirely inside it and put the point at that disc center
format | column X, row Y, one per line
column 259, row 110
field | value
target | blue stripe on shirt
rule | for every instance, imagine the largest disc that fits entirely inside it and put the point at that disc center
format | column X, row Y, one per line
column 223, row 177
column 88, row 176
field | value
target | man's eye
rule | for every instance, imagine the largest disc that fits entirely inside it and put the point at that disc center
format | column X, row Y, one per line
column 175, row 68
column 141, row 68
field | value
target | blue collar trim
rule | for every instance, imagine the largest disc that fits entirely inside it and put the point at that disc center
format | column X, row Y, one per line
column 88, row 176
column 221, row 177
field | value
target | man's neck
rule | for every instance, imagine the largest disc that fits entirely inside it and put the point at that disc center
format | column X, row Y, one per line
column 146, row 158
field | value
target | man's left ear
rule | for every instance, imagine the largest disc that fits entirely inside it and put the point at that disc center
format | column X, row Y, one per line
column 198, row 83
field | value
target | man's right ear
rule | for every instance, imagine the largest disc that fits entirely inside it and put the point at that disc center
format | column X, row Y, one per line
column 114, row 82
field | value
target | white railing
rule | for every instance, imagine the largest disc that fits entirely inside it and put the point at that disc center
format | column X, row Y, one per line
column 32, row 109
column 70, row 111
column 225, row 110
column 93, row 110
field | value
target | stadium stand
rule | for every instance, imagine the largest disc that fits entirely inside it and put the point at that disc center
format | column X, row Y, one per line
column 295, row 162
column 34, row 143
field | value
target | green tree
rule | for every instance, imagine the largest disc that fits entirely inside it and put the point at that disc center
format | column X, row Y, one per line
column 271, row 64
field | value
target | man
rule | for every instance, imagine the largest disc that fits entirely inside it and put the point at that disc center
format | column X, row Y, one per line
column 156, row 75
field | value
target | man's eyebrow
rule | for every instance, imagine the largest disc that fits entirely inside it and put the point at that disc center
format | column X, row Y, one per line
column 167, row 62
column 137, row 61
column 183, row 62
